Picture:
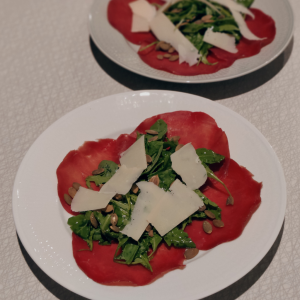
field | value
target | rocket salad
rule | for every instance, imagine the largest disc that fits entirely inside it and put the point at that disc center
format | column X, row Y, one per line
column 104, row 225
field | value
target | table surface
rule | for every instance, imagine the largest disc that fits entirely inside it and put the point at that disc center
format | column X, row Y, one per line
column 49, row 66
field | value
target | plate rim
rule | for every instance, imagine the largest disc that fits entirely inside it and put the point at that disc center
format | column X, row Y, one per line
column 233, row 279
column 190, row 80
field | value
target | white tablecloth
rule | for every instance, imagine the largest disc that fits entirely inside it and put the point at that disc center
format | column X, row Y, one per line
column 49, row 66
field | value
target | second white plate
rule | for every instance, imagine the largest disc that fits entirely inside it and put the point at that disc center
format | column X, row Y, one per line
column 114, row 46
column 41, row 221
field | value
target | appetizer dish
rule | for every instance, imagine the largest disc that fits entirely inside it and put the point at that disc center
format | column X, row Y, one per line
column 145, row 202
column 192, row 37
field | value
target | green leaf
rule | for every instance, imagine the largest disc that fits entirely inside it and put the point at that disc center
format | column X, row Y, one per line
column 166, row 178
column 143, row 260
column 209, row 156
column 186, row 222
column 80, row 225
column 211, row 174
column 90, row 239
column 156, row 152
column 122, row 210
column 110, row 169
column 246, row 3
column 155, row 241
column 128, row 253
column 161, row 127
column 210, row 205
column 179, row 239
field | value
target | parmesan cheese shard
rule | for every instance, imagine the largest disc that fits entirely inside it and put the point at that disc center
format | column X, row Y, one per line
column 133, row 164
column 221, row 40
column 86, row 199
column 147, row 200
column 135, row 155
column 186, row 163
column 139, row 24
column 122, row 180
column 234, row 6
column 143, row 9
column 174, row 207
column 166, row 31
column 245, row 31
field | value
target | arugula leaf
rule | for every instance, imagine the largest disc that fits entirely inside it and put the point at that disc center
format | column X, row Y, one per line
column 186, row 222
column 123, row 212
column 178, row 238
column 209, row 156
column 155, row 156
column 155, row 241
column 210, row 205
column 141, row 255
column 90, row 239
column 211, row 174
column 110, row 169
column 161, row 127
column 166, row 178
column 128, row 253
column 80, row 225
column 246, row 3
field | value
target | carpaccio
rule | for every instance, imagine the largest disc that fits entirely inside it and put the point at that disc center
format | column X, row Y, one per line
column 120, row 17
column 203, row 132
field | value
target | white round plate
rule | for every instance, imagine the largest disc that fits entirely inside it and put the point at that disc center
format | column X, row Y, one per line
column 114, row 46
column 42, row 222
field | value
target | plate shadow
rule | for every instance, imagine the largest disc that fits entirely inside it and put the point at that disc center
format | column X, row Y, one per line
column 230, row 293
column 214, row 91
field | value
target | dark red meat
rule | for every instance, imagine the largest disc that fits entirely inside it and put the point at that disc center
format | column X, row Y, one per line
column 99, row 266
column 120, row 17
column 202, row 131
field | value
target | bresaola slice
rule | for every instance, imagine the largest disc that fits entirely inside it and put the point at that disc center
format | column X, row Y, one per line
column 263, row 26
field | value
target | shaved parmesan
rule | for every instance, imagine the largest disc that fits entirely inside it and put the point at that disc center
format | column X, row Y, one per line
column 234, row 6
column 147, row 200
column 143, row 9
column 245, row 31
column 122, row 180
column 186, row 163
column 166, row 31
column 86, row 199
column 221, row 40
column 135, row 155
column 139, row 24
column 174, row 207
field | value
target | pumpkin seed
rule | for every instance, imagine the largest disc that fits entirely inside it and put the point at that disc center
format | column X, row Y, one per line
column 68, row 199
column 167, row 55
column 175, row 138
column 153, row 139
column 109, row 208
column 218, row 223
column 76, row 186
column 210, row 214
column 98, row 171
column 114, row 228
column 171, row 50
column 174, row 58
column 148, row 228
column 155, row 180
column 165, row 46
column 202, row 208
column 176, row 10
column 149, row 159
column 207, row 227
column 207, row 19
column 119, row 165
column 134, row 188
column 160, row 57
column 157, row 47
column 72, row 192
column 151, row 233
column 230, row 201
column 93, row 220
column 190, row 253
column 113, row 219
column 150, row 131
column 118, row 197
column 198, row 22
column 179, row 146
